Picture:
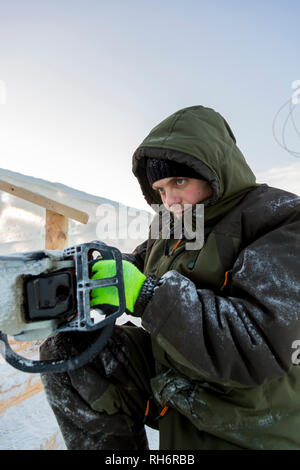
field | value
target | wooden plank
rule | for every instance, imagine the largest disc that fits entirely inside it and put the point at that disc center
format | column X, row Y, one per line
column 56, row 231
column 20, row 392
column 45, row 202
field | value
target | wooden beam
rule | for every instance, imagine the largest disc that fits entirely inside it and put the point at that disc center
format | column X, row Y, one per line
column 56, row 231
column 45, row 202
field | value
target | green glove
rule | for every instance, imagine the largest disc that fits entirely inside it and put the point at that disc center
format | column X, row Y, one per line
column 133, row 282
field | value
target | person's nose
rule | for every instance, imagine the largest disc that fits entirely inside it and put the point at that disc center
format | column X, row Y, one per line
column 172, row 197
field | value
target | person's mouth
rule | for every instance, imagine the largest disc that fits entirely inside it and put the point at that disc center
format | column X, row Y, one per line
column 178, row 213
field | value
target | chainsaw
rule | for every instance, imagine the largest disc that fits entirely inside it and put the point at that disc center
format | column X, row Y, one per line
column 46, row 292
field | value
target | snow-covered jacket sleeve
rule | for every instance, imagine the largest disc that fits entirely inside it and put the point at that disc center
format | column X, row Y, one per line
column 245, row 338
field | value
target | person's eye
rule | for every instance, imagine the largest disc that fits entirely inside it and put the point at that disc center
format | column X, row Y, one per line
column 160, row 190
column 180, row 181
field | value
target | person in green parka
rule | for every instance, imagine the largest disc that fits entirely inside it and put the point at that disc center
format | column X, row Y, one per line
column 212, row 365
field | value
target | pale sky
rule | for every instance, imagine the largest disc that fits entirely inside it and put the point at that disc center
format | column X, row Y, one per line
column 82, row 82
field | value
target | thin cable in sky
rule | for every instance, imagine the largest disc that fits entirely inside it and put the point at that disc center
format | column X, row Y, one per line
column 289, row 116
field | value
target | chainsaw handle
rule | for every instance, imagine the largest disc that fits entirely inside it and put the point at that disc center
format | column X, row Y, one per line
column 64, row 365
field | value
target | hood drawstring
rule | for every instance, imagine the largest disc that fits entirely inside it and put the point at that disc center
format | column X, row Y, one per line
column 167, row 250
column 164, row 409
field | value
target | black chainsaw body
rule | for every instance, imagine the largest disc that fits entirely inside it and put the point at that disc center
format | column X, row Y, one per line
column 64, row 296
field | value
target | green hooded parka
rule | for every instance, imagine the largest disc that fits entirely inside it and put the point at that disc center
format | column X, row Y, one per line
column 225, row 318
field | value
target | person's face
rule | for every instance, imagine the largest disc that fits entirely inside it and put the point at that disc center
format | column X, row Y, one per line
column 177, row 191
